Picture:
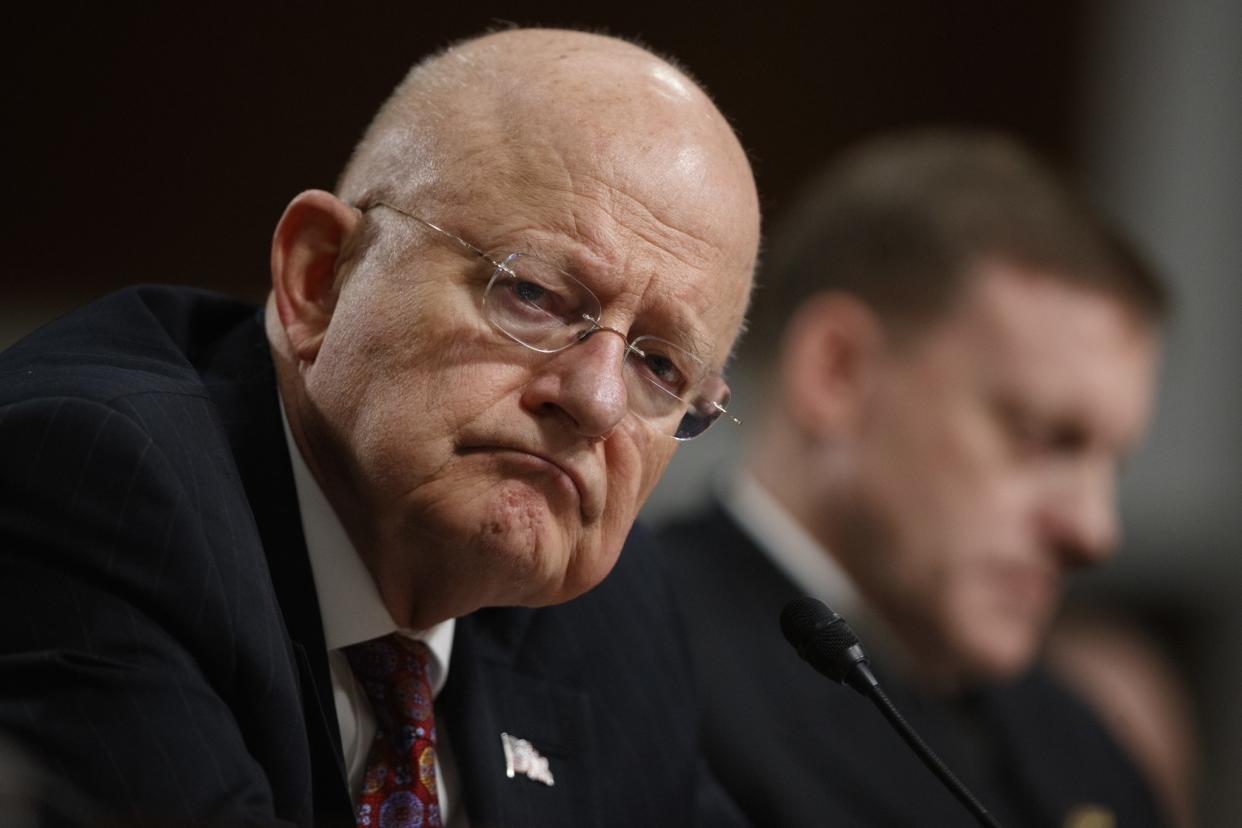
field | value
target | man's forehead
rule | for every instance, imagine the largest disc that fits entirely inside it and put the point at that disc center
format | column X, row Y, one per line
column 1063, row 349
column 690, row 200
column 636, row 258
column 1046, row 316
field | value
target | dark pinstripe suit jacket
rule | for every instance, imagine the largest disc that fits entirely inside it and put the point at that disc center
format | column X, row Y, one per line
column 160, row 640
column 820, row 754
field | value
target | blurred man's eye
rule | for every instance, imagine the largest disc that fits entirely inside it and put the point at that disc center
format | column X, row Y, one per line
column 1051, row 439
column 1034, row 434
column 1067, row 438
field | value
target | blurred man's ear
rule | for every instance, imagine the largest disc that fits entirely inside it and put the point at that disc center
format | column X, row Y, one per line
column 306, row 253
column 830, row 351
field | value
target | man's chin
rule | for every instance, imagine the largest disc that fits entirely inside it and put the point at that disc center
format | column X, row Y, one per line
column 579, row 567
column 1002, row 656
column 507, row 545
column 539, row 559
column 996, row 637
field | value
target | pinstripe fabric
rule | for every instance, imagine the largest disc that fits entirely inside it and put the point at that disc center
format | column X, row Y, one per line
column 160, row 640
column 600, row 687
column 142, row 650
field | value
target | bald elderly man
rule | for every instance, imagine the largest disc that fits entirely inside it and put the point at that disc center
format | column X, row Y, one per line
column 244, row 548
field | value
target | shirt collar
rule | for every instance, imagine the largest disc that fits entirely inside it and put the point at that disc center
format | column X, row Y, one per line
column 349, row 602
column 808, row 563
column 789, row 546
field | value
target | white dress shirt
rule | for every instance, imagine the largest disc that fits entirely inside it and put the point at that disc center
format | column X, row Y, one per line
column 792, row 549
column 806, row 562
column 352, row 612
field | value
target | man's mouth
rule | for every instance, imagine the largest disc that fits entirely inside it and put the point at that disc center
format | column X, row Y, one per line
column 1030, row 589
column 564, row 474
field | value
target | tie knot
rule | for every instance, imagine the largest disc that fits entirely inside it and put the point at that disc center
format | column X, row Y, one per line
column 394, row 672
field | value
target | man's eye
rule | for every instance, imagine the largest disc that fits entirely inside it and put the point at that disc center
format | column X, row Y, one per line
column 529, row 292
column 1068, row 438
column 1049, row 439
column 526, row 297
column 664, row 372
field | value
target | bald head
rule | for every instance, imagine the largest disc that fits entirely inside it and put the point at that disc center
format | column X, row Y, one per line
column 504, row 108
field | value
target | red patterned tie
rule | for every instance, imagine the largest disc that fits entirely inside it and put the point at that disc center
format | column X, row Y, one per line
column 399, row 788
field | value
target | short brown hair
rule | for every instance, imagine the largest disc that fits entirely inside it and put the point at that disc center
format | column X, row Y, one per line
column 899, row 220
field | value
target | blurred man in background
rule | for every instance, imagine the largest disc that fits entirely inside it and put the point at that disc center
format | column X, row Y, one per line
column 967, row 355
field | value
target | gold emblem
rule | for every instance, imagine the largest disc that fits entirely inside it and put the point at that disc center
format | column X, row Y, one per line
column 1090, row 816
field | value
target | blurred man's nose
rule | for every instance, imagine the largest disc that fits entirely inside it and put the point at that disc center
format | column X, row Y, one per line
column 1080, row 515
column 585, row 384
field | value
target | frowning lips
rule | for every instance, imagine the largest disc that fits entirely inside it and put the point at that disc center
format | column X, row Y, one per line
column 588, row 496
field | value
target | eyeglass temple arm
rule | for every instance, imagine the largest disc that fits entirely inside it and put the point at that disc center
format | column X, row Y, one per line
column 451, row 236
column 725, row 412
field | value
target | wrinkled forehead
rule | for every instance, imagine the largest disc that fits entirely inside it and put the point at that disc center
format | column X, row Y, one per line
column 631, row 129
column 654, row 210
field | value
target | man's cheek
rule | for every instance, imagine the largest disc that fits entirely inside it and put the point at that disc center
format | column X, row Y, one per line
column 651, row 459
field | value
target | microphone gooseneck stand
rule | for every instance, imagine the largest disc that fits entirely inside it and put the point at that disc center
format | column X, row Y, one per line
column 826, row 642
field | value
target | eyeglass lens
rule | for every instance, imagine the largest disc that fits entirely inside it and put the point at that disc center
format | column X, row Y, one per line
column 542, row 307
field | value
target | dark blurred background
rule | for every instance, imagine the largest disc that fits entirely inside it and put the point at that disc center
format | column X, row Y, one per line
column 161, row 143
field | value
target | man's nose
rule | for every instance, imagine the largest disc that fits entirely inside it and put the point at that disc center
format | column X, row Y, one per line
column 585, row 384
column 1080, row 516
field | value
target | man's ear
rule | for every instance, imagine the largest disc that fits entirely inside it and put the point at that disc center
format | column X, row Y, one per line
column 829, row 355
column 307, row 250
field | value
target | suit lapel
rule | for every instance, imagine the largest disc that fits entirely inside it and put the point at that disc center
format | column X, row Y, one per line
column 242, row 382
column 492, row 690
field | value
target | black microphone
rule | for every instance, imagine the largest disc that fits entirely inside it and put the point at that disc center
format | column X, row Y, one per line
column 826, row 642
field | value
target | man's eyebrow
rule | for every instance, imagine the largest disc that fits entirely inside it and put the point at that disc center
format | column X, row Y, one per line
column 672, row 322
column 587, row 268
column 689, row 338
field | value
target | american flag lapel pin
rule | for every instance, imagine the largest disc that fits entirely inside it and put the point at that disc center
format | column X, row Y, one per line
column 522, row 758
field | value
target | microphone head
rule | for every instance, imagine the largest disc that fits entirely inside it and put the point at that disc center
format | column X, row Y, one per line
column 821, row 637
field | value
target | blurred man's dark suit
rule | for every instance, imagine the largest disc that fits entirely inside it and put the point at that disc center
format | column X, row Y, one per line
column 160, row 641
column 794, row 749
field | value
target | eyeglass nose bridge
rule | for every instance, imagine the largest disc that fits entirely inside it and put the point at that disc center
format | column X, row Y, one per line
column 630, row 347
